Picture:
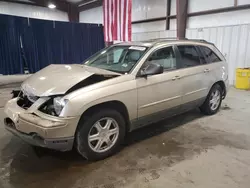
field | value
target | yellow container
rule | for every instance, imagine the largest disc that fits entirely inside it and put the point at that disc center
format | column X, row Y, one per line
column 242, row 78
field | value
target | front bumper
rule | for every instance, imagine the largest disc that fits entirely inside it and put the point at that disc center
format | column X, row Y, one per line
column 39, row 129
column 62, row 144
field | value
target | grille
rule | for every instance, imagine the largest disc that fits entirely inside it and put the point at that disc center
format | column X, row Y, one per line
column 24, row 101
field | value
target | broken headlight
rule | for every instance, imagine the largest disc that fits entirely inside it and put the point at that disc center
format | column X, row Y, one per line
column 53, row 106
column 59, row 104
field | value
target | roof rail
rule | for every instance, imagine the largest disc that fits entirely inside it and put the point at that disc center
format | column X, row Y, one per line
column 176, row 38
column 170, row 38
column 200, row 40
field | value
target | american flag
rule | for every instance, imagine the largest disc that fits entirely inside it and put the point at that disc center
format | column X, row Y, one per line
column 117, row 20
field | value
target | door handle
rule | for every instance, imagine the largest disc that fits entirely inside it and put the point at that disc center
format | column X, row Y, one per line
column 206, row 70
column 176, row 77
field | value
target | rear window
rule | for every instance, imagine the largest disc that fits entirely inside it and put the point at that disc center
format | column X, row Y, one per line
column 210, row 55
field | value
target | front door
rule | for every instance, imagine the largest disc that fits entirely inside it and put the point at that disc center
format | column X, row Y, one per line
column 160, row 95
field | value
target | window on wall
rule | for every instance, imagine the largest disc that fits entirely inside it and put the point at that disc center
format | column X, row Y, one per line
column 209, row 54
column 189, row 56
column 165, row 57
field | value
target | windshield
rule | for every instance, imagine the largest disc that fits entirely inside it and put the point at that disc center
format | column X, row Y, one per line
column 117, row 58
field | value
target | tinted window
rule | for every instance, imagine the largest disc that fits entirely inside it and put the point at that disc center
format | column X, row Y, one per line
column 210, row 55
column 189, row 56
column 165, row 57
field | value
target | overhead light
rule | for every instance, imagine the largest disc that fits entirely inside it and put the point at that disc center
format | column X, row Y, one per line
column 51, row 5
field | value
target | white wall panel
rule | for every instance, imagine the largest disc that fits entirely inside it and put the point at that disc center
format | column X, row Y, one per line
column 146, row 9
column 153, row 35
column 156, row 8
column 200, row 5
column 243, row 2
column 173, row 7
column 32, row 11
column 173, row 24
column 232, row 41
column 94, row 15
column 149, row 26
column 220, row 19
column 145, row 36
column 139, row 11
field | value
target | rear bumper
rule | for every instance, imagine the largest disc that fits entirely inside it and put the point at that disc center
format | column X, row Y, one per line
column 226, row 89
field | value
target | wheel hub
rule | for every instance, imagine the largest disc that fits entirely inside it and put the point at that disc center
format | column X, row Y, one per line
column 103, row 135
column 215, row 100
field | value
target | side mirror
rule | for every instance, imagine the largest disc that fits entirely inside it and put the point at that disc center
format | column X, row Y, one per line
column 152, row 69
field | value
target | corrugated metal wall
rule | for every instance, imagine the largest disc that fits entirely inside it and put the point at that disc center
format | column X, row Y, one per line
column 232, row 41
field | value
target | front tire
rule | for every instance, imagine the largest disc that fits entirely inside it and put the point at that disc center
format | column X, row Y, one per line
column 100, row 135
column 213, row 101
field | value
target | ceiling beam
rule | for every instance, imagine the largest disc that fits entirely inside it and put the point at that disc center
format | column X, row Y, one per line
column 19, row 2
column 91, row 4
column 73, row 13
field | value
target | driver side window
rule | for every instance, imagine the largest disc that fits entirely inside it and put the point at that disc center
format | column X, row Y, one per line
column 165, row 57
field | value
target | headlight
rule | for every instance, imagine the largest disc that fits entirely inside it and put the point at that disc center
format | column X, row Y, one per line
column 59, row 104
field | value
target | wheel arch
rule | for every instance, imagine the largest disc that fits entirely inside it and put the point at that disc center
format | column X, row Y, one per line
column 114, row 104
column 223, row 87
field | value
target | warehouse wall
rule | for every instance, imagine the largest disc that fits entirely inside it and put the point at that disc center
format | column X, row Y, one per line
column 32, row 11
column 145, row 9
column 148, row 9
column 233, row 41
column 94, row 15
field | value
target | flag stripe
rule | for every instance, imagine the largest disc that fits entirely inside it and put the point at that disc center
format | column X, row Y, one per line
column 117, row 20
column 120, row 19
column 124, row 20
column 129, row 19
column 126, row 23
column 110, row 20
column 105, row 19
column 115, row 4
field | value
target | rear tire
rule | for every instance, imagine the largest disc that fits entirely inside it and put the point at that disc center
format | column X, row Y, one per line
column 213, row 101
column 100, row 135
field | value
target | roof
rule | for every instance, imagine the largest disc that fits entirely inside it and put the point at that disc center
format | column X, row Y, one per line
column 152, row 42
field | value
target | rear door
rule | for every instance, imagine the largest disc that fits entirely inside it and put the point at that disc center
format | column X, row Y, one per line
column 194, row 86
column 213, row 67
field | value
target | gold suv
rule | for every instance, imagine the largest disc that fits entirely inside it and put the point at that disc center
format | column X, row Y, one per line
column 92, row 106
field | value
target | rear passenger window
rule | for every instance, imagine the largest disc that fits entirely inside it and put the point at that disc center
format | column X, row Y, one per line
column 210, row 55
column 189, row 56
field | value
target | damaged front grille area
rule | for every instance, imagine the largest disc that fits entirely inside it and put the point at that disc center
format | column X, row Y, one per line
column 26, row 101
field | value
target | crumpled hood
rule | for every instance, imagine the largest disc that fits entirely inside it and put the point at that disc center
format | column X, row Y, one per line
column 57, row 79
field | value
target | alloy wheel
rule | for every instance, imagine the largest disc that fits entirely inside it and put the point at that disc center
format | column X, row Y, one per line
column 103, row 135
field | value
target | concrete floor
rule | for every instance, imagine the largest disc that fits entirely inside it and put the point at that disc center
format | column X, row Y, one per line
column 189, row 150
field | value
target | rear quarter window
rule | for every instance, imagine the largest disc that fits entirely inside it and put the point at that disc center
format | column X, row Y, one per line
column 211, row 56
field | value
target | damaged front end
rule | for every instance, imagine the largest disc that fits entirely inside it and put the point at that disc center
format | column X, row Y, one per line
column 54, row 104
